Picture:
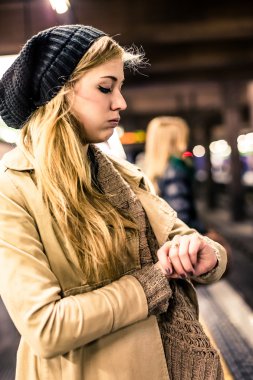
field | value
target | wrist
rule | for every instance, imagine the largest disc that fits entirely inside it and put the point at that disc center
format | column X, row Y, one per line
column 156, row 288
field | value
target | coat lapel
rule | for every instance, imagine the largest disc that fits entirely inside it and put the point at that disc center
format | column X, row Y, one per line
column 161, row 216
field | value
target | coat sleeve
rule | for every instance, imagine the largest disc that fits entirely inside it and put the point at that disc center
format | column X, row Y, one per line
column 50, row 324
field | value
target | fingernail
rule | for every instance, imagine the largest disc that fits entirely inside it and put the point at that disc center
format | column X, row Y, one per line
column 168, row 271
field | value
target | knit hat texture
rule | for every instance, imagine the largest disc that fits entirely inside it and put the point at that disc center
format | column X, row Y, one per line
column 43, row 66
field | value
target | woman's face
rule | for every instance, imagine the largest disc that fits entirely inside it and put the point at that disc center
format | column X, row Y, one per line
column 97, row 100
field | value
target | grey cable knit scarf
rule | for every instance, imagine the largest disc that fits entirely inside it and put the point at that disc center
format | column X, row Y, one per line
column 188, row 351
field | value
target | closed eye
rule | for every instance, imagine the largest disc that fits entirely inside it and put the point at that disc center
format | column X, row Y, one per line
column 104, row 90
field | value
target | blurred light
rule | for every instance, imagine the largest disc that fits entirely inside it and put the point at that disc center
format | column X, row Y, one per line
column 60, row 6
column 248, row 178
column 245, row 143
column 216, row 160
column 220, row 148
column 199, row 151
column 220, row 160
column 5, row 62
column 120, row 130
column 137, row 137
column 187, row 154
column 201, row 175
column 9, row 135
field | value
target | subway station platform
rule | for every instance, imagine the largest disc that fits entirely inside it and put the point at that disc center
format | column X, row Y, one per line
column 225, row 307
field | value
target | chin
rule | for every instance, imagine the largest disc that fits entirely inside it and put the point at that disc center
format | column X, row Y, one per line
column 103, row 137
column 98, row 140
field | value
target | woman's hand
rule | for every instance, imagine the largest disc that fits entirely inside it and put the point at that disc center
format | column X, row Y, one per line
column 186, row 256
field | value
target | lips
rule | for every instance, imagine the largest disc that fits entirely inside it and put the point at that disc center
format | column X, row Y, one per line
column 116, row 120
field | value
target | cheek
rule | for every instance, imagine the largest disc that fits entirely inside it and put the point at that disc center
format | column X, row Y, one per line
column 89, row 107
column 80, row 107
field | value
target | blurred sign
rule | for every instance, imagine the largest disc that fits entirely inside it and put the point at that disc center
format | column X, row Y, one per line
column 136, row 137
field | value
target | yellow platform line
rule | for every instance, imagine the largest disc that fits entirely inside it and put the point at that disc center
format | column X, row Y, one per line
column 227, row 373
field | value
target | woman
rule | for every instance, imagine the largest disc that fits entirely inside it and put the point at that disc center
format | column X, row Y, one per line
column 96, row 271
column 170, row 172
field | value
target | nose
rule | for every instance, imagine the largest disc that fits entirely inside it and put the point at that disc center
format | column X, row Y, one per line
column 118, row 102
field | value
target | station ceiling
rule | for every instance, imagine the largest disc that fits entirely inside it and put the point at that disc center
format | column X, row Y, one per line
column 184, row 41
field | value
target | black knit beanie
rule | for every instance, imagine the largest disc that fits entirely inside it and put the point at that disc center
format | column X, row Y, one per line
column 43, row 66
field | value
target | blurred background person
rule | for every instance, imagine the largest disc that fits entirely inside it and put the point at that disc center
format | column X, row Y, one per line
column 169, row 168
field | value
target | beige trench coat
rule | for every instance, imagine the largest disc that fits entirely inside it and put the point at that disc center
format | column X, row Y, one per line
column 70, row 332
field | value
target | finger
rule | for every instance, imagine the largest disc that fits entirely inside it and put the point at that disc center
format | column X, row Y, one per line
column 184, row 254
column 194, row 247
column 174, row 257
column 163, row 257
column 159, row 265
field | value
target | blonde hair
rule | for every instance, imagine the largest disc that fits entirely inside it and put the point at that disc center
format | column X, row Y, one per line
column 166, row 136
column 94, row 229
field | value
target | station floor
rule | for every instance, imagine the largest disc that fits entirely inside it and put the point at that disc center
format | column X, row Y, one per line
column 225, row 307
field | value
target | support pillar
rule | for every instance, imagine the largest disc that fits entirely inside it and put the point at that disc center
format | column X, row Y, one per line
column 232, row 121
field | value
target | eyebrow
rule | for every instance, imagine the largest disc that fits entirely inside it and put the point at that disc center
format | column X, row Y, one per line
column 112, row 78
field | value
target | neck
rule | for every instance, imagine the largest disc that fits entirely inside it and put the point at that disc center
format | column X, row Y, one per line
column 85, row 149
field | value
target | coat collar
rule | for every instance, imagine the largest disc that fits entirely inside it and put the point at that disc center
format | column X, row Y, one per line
column 16, row 159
